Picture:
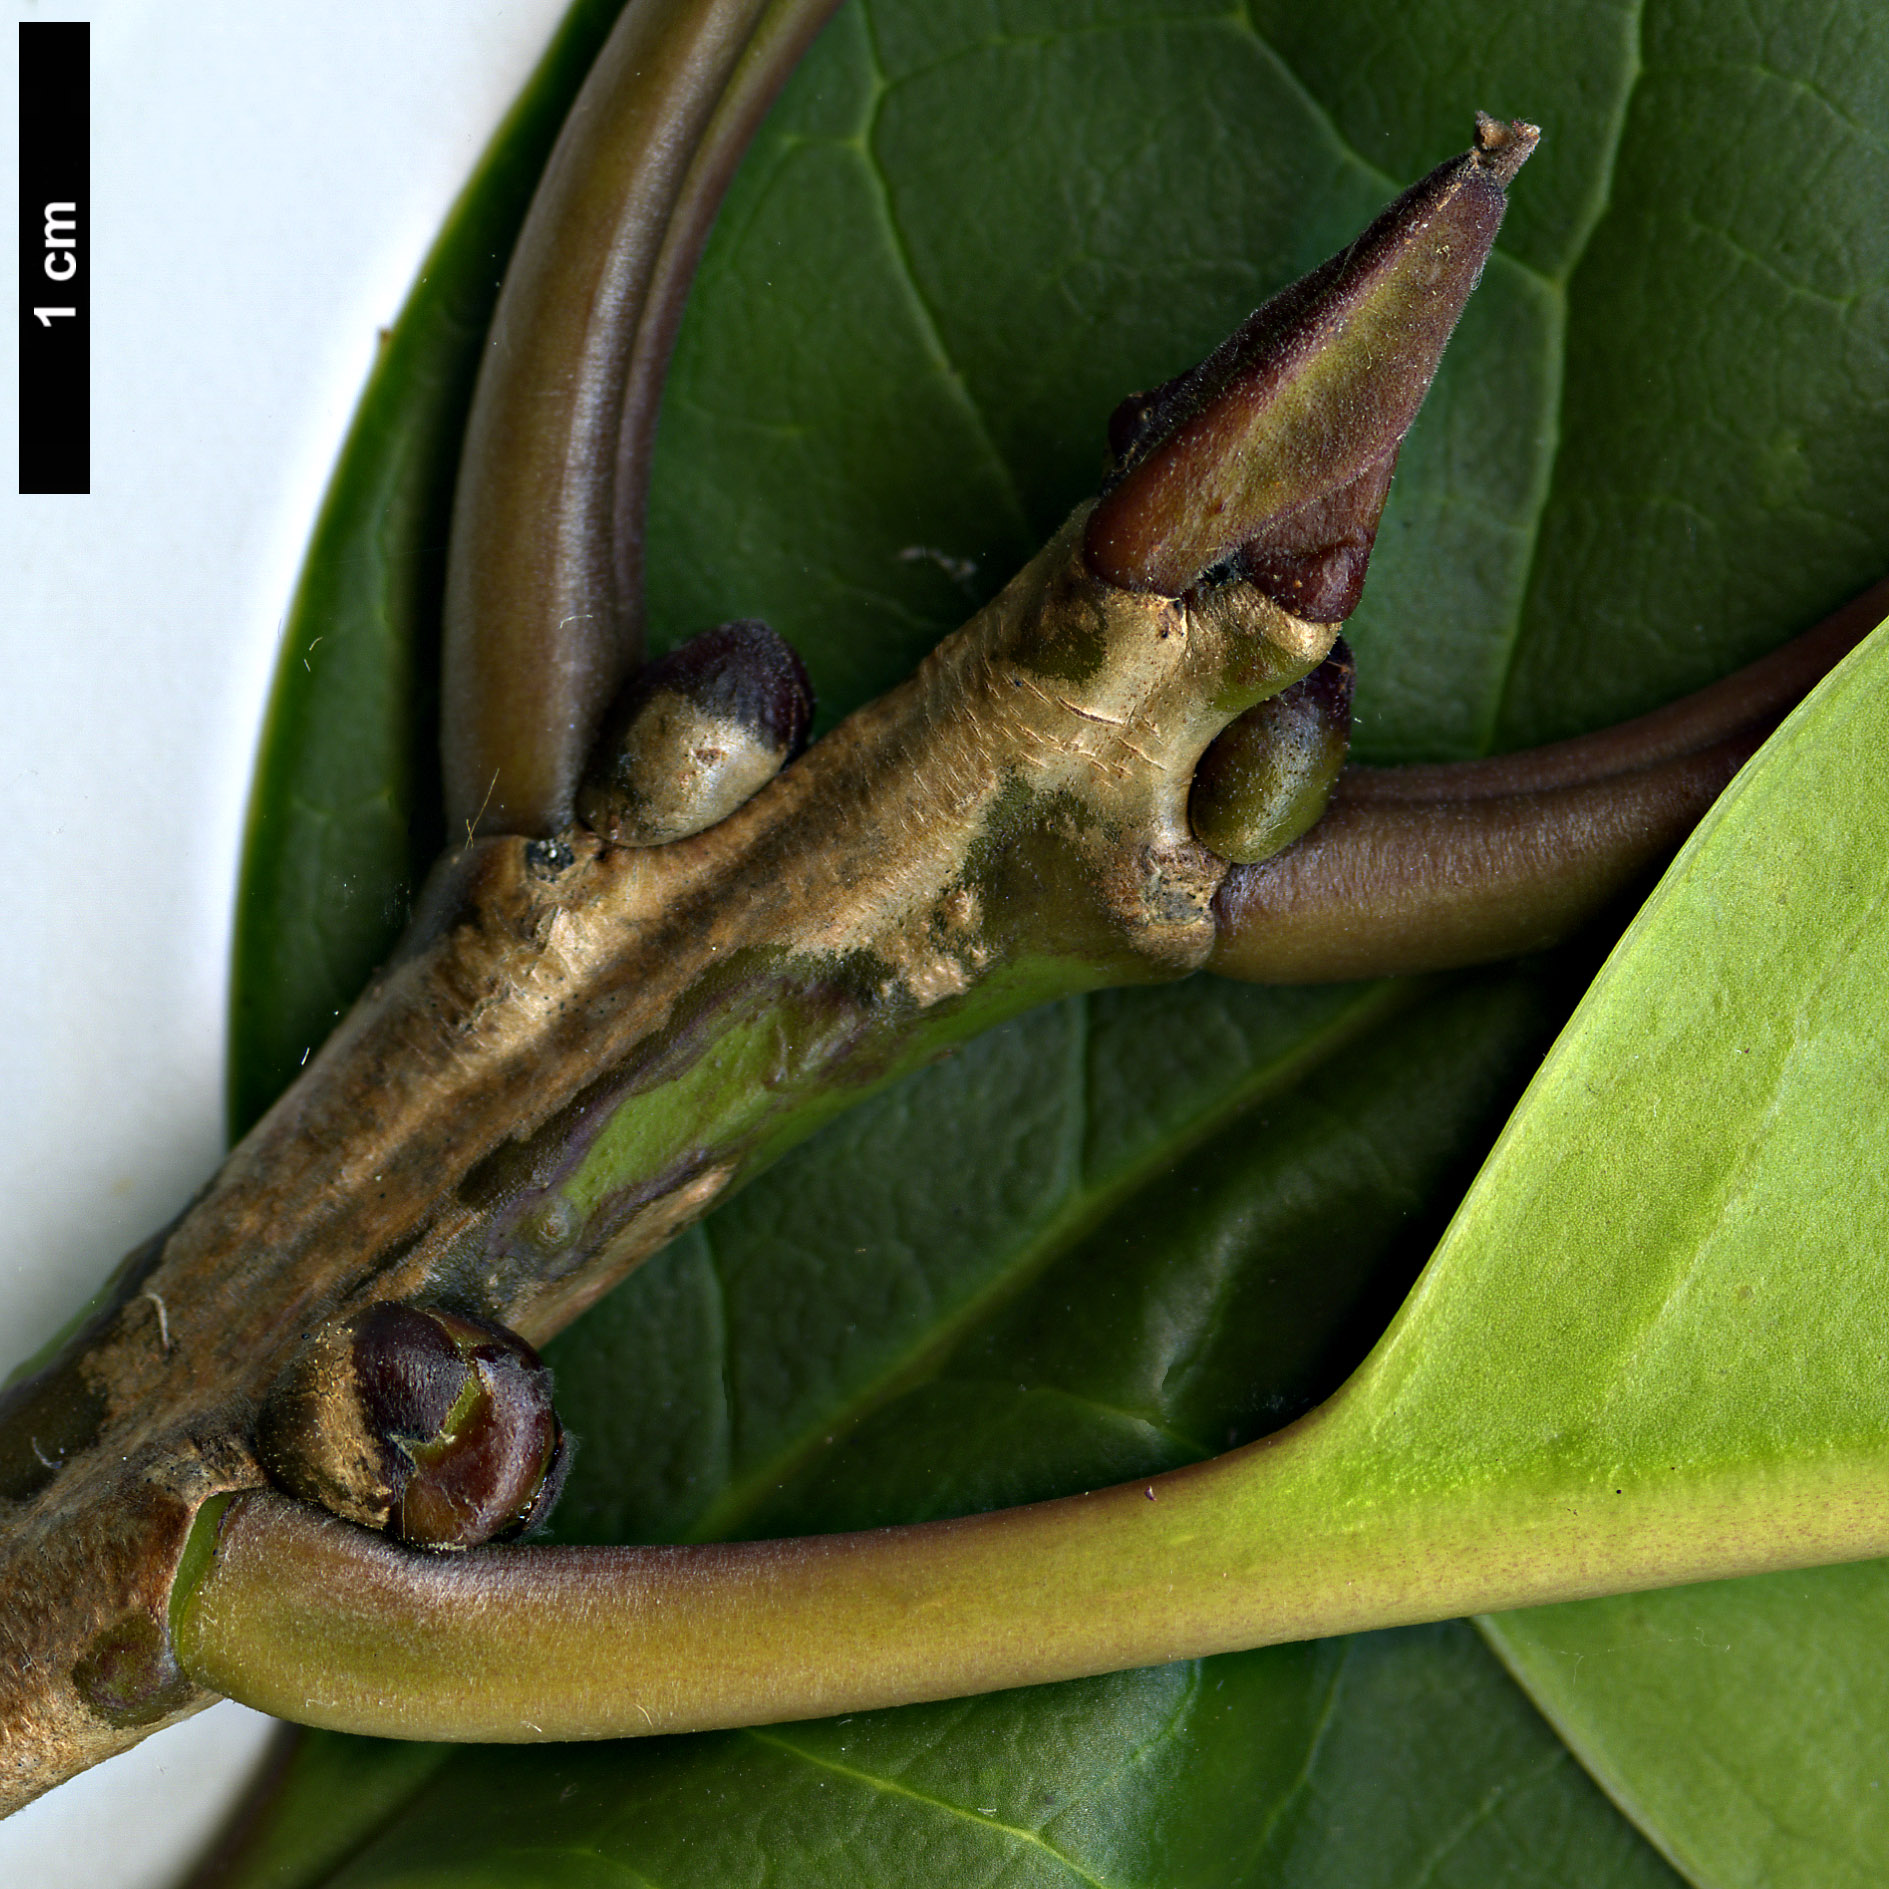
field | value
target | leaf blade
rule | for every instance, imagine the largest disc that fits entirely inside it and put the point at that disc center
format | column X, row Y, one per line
column 344, row 814
column 1479, row 430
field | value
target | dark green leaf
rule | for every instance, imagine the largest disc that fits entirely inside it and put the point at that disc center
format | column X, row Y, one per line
column 323, row 1798
column 344, row 816
column 1169, row 1218
column 1115, row 1781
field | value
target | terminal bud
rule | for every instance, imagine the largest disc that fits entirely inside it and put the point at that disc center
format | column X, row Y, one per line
column 1275, row 454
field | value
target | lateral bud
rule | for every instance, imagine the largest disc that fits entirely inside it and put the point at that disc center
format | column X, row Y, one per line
column 1269, row 777
column 430, row 1425
column 1275, row 454
column 695, row 734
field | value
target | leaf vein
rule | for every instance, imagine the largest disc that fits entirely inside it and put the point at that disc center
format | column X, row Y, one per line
column 1294, row 1793
column 930, row 327
column 1555, row 399
column 890, row 1788
column 1081, row 1209
column 1483, row 1812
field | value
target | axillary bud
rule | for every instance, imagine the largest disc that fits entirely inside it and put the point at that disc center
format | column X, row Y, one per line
column 1270, row 776
column 695, row 734
column 431, row 1425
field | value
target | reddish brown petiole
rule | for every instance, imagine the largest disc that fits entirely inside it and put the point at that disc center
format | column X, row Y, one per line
column 1422, row 868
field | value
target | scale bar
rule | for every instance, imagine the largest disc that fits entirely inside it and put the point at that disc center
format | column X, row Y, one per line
column 55, row 262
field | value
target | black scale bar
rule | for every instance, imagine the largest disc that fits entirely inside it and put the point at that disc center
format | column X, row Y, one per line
column 55, row 259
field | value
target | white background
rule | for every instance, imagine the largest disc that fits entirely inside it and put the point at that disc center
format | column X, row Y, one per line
column 265, row 179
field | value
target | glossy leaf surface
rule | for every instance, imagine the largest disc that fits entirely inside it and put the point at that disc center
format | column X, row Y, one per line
column 344, row 815
column 978, row 1290
column 1099, row 1782
column 1174, row 1216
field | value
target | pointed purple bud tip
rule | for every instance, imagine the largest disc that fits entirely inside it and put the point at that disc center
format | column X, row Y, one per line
column 1504, row 145
column 1273, row 457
